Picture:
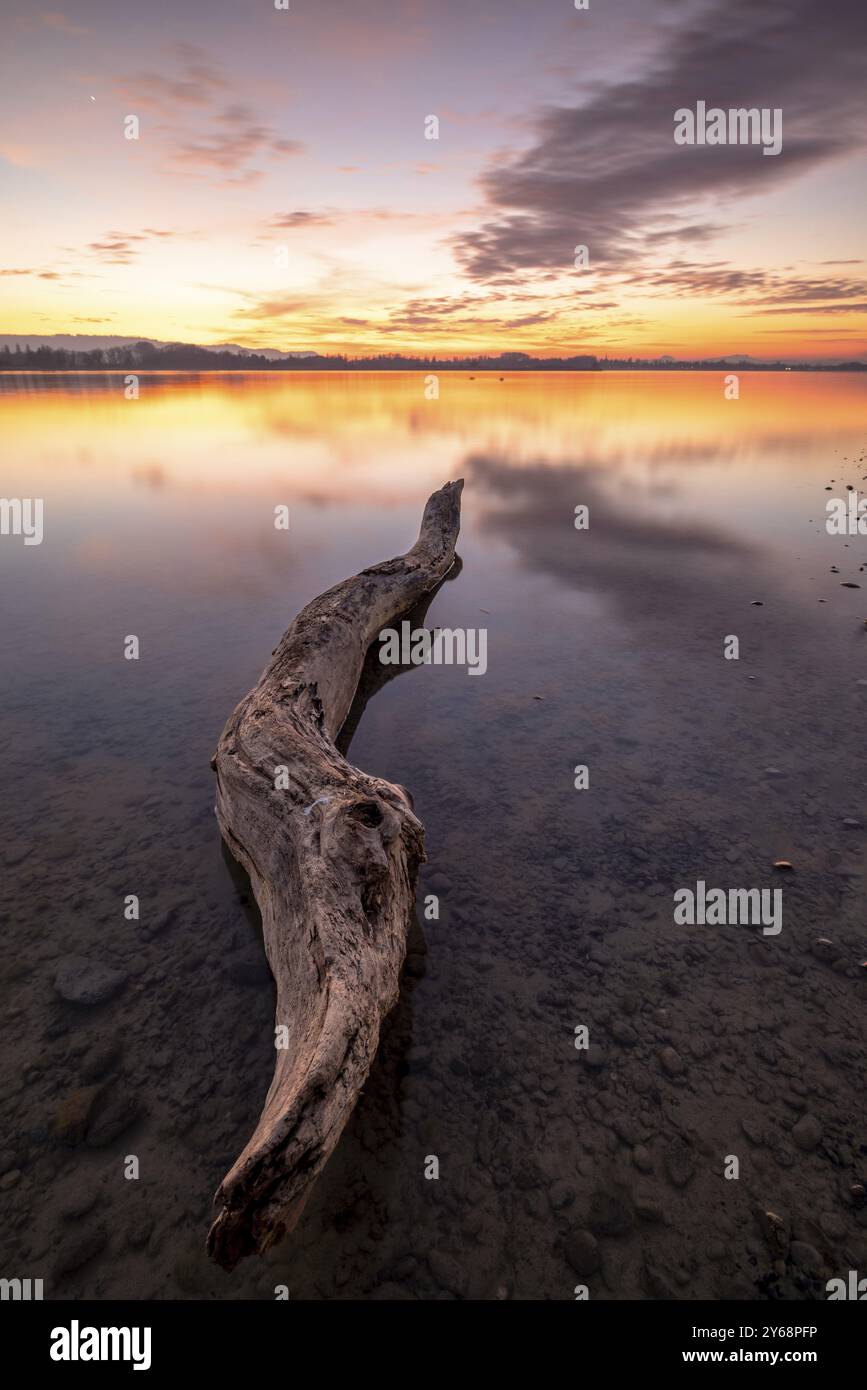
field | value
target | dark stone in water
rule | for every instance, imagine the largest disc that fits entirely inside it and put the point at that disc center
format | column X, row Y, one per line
column 112, row 1119
column 679, row 1163
column 581, row 1249
column 100, row 1062
column 82, row 981
column 79, row 1204
column 73, row 1114
column 609, row 1215
column 77, row 1250
column 447, row 1272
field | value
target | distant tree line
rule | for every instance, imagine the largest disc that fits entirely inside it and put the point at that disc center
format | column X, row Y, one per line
column 185, row 357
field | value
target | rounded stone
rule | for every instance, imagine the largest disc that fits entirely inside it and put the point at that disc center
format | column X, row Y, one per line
column 581, row 1249
column 82, row 981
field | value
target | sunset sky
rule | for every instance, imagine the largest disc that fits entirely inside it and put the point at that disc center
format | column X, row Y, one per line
column 282, row 192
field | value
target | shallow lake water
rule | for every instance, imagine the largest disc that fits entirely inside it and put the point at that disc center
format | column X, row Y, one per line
column 559, row 1166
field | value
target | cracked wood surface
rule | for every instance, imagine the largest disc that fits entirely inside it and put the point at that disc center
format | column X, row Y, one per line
column 333, row 859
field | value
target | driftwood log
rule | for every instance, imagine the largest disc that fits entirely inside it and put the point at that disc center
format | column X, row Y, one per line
column 333, row 859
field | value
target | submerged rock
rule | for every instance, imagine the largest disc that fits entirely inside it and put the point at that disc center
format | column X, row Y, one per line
column 609, row 1214
column 73, row 1114
column 807, row 1133
column 82, row 981
column 671, row 1061
column 679, row 1163
column 581, row 1249
column 112, row 1119
column 447, row 1272
column 76, row 1250
column 824, row 949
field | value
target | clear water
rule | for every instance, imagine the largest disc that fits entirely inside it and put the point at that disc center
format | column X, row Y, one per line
column 605, row 648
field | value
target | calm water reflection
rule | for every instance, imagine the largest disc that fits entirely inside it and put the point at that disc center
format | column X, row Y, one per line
column 604, row 648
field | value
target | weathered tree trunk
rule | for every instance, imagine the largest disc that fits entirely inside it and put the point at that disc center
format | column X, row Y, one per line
column 333, row 860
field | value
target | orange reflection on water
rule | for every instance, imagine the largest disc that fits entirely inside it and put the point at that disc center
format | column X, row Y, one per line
column 333, row 436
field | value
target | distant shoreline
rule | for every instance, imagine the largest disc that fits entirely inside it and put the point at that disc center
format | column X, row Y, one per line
column 348, row 369
column 147, row 356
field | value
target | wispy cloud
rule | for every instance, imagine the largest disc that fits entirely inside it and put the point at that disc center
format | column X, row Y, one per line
column 198, row 82
column 753, row 287
column 122, row 248
column 54, row 20
column 235, row 142
column 290, row 221
column 855, row 307
column 206, row 134
column 113, row 248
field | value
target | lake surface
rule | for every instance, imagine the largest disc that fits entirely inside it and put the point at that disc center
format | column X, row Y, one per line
column 558, row 1167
